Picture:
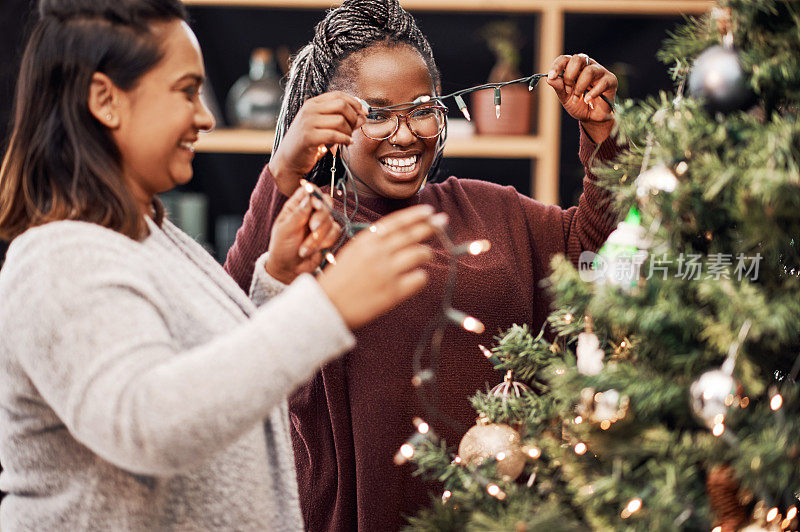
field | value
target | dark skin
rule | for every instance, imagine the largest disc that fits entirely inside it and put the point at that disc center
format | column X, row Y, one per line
column 397, row 75
column 579, row 90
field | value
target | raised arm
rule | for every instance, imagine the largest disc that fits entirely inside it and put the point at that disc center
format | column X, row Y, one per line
column 322, row 122
column 579, row 81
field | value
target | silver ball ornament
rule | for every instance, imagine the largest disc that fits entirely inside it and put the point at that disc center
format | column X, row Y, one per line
column 718, row 79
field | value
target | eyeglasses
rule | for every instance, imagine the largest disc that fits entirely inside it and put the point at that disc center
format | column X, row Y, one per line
column 425, row 122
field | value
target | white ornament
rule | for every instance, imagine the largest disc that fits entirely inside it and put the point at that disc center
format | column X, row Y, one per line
column 712, row 395
column 590, row 356
column 606, row 405
column 657, row 179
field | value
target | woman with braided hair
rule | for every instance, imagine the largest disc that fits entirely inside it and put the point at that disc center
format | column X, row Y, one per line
column 351, row 418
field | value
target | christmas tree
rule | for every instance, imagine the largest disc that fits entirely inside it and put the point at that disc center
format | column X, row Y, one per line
column 661, row 393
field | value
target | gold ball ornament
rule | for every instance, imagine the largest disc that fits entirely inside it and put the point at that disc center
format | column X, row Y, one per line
column 494, row 440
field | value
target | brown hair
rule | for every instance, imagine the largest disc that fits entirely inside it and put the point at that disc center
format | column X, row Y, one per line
column 61, row 163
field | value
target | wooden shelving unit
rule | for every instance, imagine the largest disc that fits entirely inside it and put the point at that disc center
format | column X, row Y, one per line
column 543, row 148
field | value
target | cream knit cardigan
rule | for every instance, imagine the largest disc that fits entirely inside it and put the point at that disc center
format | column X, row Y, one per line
column 140, row 389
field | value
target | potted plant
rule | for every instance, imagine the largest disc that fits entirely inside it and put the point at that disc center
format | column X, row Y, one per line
column 504, row 40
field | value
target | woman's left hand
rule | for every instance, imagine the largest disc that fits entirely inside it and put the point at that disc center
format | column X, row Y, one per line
column 303, row 229
column 579, row 81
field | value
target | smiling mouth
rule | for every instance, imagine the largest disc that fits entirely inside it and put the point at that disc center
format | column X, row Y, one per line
column 404, row 165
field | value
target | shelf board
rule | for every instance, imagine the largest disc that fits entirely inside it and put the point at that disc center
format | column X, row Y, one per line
column 520, row 6
column 473, row 146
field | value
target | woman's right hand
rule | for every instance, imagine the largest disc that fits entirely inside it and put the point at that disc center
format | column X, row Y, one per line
column 325, row 120
column 379, row 269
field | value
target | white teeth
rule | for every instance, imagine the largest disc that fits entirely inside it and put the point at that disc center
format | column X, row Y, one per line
column 400, row 165
column 187, row 145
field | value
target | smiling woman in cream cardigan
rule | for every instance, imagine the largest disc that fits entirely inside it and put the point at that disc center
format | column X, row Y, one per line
column 140, row 388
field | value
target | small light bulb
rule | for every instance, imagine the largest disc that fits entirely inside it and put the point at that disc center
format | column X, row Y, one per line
column 405, row 453
column 500, row 456
column 716, row 529
column 422, row 426
column 475, row 247
column 578, row 420
column 568, row 318
column 497, row 102
column 446, row 495
column 718, row 429
column 463, row 107
column 534, row 452
column 772, row 514
column 495, row 491
column 744, row 402
column 473, row 325
column 467, row 322
column 330, row 258
column 682, row 167
column 634, row 505
column 479, row 246
column 791, row 513
column 719, row 419
column 373, row 229
column 776, row 402
column 580, row 448
column 457, row 459
column 605, row 424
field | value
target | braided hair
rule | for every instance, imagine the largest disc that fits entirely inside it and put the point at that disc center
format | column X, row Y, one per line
column 354, row 26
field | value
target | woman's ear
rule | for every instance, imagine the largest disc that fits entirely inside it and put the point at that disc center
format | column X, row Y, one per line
column 103, row 99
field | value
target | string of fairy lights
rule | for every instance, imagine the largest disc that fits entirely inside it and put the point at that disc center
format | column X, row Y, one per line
column 424, row 376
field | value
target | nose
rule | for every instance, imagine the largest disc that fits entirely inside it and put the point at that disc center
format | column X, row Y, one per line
column 204, row 120
column 403, row 136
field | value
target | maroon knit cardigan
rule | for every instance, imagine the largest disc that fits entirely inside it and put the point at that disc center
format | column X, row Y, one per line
column 351, row 418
